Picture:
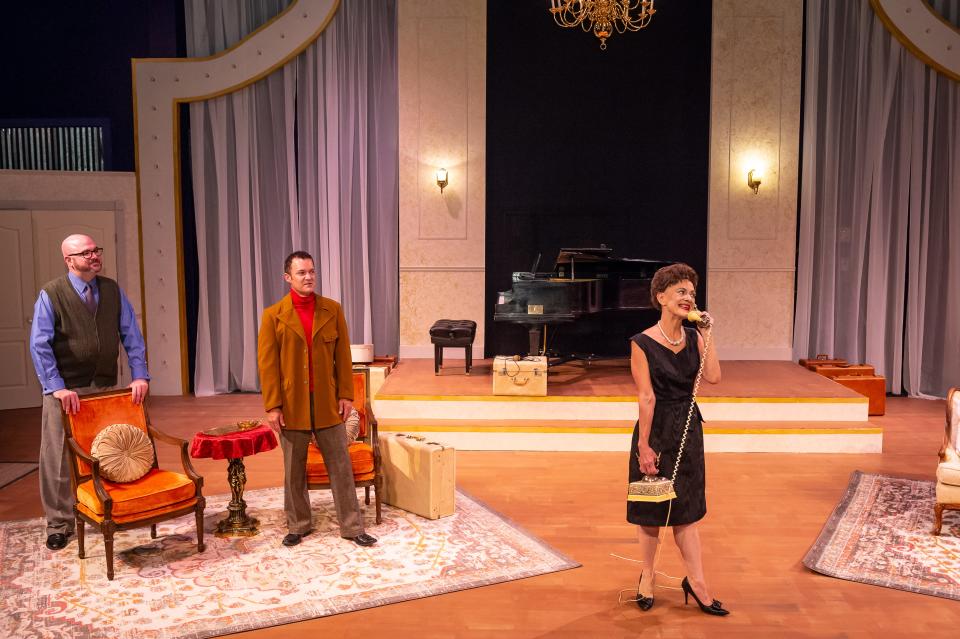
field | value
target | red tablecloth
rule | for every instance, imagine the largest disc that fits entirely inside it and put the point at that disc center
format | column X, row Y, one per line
column 240, row 444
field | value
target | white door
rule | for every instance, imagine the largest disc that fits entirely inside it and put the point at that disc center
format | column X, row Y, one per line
column 19, row 387
column 49, row 229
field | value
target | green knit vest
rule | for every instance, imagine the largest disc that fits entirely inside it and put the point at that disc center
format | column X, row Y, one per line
column 86, row 346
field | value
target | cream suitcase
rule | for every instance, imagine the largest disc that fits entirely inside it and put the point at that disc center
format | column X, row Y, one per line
column 520, row 376
column 419, row 475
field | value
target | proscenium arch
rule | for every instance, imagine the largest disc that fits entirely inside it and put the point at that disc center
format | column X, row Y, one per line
column 160, row 85
column 923, row 32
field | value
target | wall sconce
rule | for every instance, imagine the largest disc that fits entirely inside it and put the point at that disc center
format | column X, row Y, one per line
column 442, row 179
column 753, row 181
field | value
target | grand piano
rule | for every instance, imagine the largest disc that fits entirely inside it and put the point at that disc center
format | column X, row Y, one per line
column 584, row 282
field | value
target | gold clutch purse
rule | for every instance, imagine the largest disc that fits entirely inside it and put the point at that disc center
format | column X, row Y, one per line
column 652, row 489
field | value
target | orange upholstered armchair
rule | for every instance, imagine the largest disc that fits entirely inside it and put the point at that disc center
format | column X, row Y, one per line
column 948, row 472
column 364, row 452
column 108, row 505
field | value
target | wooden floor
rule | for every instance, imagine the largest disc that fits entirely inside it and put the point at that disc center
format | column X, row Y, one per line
column 764, row 512
column 612, row 378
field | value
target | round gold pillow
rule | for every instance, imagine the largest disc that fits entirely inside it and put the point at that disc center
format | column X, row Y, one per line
column 125, row 452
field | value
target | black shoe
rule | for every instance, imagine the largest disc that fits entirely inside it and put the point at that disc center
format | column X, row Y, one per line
column 57, row 541
column 363, row 539
column 292, row 539
column 643, row 602
column 715, row 607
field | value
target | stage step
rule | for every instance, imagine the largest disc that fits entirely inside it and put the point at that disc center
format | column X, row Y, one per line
column 759, row 406
column 614, row 408
column 614, row 435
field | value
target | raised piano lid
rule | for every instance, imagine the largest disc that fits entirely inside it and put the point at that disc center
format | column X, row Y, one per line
column 602, row 254
column 584, row 254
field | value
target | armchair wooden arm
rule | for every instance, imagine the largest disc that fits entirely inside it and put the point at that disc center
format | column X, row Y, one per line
column 184, row 446
column 374, row 438
column 98, row 486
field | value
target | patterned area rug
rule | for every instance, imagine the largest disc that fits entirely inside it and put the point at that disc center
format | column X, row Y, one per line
column 165, row 589
column 12, row 471
column 880, row 534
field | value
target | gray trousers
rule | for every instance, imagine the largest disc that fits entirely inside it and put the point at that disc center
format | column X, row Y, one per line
column 56, row 491
column 296, row 498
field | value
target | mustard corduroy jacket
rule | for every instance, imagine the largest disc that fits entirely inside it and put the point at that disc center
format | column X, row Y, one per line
column 282, row 360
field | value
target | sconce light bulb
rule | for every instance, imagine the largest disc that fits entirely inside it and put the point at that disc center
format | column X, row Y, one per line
column 753, row 181
column 442, row 179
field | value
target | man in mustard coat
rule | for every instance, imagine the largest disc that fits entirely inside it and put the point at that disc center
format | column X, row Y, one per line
column 307, row 387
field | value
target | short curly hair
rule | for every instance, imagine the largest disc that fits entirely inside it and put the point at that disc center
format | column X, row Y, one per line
column 667, row 276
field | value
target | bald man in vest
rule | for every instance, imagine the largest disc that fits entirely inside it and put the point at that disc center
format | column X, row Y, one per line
column 79, row 322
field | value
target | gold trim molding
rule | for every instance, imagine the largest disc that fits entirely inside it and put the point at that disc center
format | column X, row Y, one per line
column 160, row 85
column 923, row 32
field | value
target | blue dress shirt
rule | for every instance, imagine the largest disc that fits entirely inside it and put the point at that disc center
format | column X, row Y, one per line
column 41, row 337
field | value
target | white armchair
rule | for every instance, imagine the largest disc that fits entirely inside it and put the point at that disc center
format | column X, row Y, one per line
column 948, row 472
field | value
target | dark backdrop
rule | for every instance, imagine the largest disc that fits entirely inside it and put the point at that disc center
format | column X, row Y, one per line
column 72, row 60
column 587, row 147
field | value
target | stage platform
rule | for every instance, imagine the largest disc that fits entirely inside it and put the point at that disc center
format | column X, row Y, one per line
column 760, row 406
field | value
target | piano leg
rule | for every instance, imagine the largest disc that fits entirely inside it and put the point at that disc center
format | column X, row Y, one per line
column 535, row 331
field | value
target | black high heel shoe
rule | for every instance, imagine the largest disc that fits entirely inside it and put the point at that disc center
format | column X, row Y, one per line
column 644, row 603
column 715, row 608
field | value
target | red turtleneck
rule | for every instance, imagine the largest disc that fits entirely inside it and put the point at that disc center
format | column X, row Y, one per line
column 304, row 307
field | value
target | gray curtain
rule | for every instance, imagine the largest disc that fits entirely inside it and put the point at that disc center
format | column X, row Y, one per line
column 348, row 166
column 876, row 279
column 306, row 158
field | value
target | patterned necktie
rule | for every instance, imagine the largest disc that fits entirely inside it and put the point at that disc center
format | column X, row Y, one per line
column 89, row 301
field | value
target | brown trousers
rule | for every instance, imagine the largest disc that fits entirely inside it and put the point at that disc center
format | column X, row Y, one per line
column 296, row 498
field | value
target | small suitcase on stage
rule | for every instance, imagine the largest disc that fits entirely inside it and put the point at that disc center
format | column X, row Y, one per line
column 874, row 387
column 846, row 371
column 812, row 363
column 419, row 475
column 526, row 376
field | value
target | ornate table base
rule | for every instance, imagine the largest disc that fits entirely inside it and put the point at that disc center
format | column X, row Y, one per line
column 237, row 523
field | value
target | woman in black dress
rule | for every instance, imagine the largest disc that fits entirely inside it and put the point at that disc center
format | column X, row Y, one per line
column 664, row 360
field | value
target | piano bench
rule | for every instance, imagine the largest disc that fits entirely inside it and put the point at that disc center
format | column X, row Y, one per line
column 452, row 333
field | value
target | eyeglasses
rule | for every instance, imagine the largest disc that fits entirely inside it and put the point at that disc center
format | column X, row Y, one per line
column 89, row 253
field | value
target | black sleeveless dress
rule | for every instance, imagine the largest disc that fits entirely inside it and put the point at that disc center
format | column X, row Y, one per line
column 672, row 376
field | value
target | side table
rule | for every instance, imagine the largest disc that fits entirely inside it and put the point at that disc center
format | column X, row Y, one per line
column 234, row 447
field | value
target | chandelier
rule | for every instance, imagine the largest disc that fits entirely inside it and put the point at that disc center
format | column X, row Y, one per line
column 603, row 16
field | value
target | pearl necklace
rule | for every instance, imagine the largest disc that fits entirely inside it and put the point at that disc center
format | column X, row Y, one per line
column 672, row 342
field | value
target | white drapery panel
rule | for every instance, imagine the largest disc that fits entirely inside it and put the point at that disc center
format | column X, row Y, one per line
column 348, row 168
column 876, row 279
column 304, row 159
